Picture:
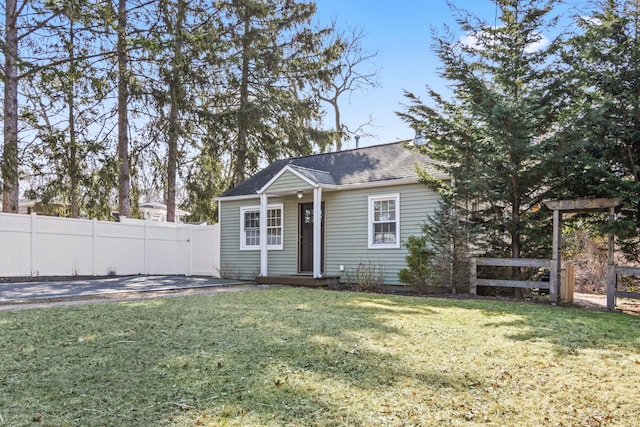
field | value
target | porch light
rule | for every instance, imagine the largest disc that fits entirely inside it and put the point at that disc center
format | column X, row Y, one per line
column 299, row 194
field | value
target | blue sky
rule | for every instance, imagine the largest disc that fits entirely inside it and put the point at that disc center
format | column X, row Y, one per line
column 400, row 31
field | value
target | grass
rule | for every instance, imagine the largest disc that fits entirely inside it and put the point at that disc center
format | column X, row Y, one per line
column 300, row 357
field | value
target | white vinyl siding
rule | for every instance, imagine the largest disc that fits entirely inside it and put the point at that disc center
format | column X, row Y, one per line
column 384, row 221
column 250, row 227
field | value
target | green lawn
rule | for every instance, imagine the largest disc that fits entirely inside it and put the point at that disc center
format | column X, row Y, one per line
column 302, row 357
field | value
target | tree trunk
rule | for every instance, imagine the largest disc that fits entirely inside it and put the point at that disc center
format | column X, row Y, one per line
column 124, row 179
column 336, row 108
column 10, row 154
column 515, row 234
column 243, row 121
column 73, row 160
column 174, row 125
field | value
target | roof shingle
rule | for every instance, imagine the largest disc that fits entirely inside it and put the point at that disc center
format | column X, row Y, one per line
column 363, row 165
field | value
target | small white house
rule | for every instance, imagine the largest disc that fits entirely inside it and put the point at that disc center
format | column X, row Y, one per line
column 155, row 211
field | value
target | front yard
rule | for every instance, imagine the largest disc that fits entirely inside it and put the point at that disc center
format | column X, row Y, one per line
column 303, row 357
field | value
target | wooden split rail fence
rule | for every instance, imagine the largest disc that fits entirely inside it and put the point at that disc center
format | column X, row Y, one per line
column 552, row 284
column 613, row 271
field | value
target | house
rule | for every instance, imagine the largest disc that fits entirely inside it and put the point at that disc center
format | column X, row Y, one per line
column 324, row 214
column 155, row 211
column 28, row 206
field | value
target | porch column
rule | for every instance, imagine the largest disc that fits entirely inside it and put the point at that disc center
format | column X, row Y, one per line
column 264, row 199
column 317, row 232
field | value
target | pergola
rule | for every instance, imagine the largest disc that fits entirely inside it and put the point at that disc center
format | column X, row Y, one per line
column 560, row 207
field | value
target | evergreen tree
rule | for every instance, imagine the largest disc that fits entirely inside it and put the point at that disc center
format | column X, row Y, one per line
column 273, row 55
column 22, row 19
column 123, row 75
column 603, row 124
column 495, row 135
column 441, row 255
column 63, row 105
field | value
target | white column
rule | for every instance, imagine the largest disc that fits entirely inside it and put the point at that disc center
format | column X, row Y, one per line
column 264, row 199
column 317, row 232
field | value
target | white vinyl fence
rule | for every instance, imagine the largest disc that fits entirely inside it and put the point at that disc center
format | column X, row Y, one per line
column 32, row 245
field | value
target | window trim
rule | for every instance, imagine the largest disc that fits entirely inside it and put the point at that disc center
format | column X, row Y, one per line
column 243, row 245
column 383, row 197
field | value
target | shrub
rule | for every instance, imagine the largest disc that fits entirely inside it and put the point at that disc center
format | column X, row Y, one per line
column 441, row 255
column 367, row 277
column 419, row 272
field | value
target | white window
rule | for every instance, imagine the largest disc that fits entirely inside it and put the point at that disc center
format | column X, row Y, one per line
column 384, row 221
column 250, row 227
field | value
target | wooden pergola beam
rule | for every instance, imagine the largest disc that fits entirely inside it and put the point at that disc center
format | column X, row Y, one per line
column 582, row 205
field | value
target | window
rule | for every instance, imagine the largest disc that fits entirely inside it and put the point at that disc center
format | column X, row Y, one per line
column 384, row 221
column 250, row 227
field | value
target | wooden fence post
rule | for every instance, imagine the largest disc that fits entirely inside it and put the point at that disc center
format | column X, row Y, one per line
column 612, row 279
column 473, row 279
column 554, row 273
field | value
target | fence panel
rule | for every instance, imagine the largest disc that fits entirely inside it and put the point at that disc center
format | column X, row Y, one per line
column 63, row 248
column 162, row 250
column 512, row 262
column 119, row 248
column 205, row 257
column 15, row 245
column 32, row 245
column 613, row 271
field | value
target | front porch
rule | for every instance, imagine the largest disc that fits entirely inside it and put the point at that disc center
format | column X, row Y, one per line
column 299, row 280
column 296, row 182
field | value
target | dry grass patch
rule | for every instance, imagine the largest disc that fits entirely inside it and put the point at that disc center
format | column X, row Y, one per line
column 303, row 357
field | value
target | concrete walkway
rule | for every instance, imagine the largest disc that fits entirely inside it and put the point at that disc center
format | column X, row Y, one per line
column 11, row 293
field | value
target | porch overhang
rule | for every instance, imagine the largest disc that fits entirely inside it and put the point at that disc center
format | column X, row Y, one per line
column 293, row 180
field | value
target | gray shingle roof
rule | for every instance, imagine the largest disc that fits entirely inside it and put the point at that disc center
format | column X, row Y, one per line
column 363, row 165
column 320, row 177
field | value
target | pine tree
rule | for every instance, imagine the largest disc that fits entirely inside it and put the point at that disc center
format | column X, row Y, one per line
column 21, row 21
column 122, row 49
column 495, row 135
column 63, row 105
column 603, row 124
column 273, row 56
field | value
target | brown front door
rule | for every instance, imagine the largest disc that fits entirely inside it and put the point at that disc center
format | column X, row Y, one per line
column 305, row 250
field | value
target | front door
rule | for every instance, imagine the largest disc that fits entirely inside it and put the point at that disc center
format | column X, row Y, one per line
column 305, row 250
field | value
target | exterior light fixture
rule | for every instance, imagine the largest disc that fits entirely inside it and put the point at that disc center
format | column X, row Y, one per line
column 299, row 194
